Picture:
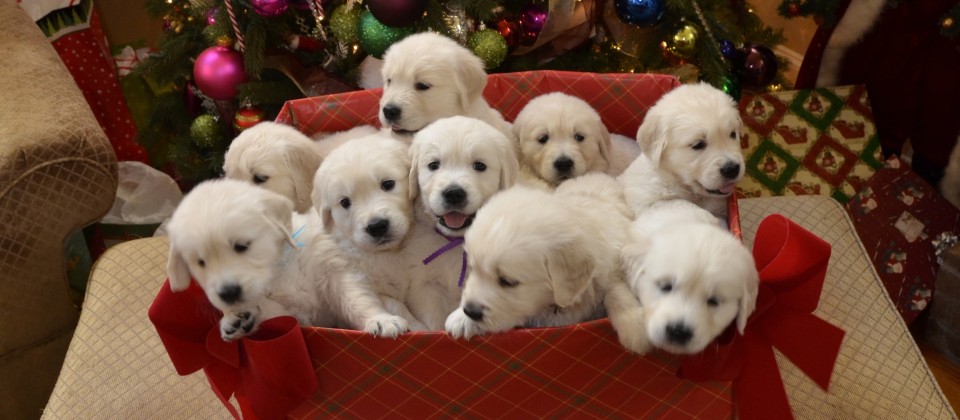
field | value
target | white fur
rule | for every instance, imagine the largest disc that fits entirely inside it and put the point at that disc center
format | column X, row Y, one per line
column 329, row 141
column 678, row 260
column 548, row 259
column 688, row 117
column 429, row 76
column 559, row 127
column 276, row 157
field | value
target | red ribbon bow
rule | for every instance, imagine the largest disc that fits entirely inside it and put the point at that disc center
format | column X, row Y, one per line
column 792, row 263
column 270, row 372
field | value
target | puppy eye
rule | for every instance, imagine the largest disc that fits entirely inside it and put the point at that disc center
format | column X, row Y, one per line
column 700, row 145
column 201, row 263
column 433, row 165
column 479, row 166
column 733, row 135
column 507, row 283
column 543, row 139
column 387, row 185
column 421, row 86
column 260, row 179
column 666, row 287
column 578, row 137
column 345, row 203
column 240, row 248
column 713, row 302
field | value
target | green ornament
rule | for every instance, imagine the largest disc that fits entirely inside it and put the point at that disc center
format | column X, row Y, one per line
column 206, row 131
column 345, row 23
column 376, row 37
column 489, row 45
column 731, row 86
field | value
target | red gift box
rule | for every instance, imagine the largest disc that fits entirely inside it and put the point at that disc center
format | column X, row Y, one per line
column 573, row 371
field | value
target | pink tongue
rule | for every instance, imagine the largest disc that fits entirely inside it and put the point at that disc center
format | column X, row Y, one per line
column 727, row 189
column 454, row 220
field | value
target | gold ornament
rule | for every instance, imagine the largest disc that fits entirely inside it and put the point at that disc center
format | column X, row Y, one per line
column 683, row 43
column 947, row 23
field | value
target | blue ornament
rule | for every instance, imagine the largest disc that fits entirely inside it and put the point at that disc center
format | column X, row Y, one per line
column 727, row 49
column 639, row 12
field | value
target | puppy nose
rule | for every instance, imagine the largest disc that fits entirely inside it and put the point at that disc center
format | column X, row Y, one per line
column 378, row 227
column 454, row 195
column 391, row 112
column 230, row 293
column 474, row 311
column 679, row 333
column 730, row 170
column 563, row 164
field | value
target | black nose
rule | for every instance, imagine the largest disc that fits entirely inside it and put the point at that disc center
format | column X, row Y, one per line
column 454, row 195
column 730, row 170
column 391, row 112
column 378, row 227
column 679, row 333
column 563, row 164
column 230, row 293
column 474, row 311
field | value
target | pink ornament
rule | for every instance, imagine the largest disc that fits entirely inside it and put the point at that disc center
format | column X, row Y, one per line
column 212, row 16
column 217, row 72
column 532, row 19
column 270, row 8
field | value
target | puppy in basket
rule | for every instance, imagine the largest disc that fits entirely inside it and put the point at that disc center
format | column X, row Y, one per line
column 457, row 164
column 562, row 137
column 361, row 194
column 276, row 157
column 691, row 150
column 693, row 277
column 541, row 259
column 256, row 259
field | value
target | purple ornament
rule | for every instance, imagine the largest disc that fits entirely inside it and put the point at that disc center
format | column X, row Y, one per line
column 270, row 8
column 759, row 65
column 532, row 19
column 212, row 16
column 217, row 72
column 397, row 13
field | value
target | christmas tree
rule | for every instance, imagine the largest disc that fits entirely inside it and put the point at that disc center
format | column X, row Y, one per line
column 223, row 65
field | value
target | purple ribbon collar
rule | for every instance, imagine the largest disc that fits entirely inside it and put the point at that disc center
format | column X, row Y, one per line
column 452, row 242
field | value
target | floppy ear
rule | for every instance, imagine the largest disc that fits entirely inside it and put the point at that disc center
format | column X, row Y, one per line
column 751, row 287
column 652, row 138
column 509, row 165
column 303, row 163
column 177, row 270
column 469, row 77
column 413, row 179
column 569, row 271
column 605, row 143
column 279, row 211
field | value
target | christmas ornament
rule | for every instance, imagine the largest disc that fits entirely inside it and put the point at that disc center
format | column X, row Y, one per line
column 532, row 19
column 247, row 116
column 205, row 131
column 639, row 12
column 376, row 37
column 397, row 13
column 759, row 65
column 731, row 87
column 683, row 43
column 510, row 31
column 270, row 8
column 212, row 16
column 218, row 70
column 304, row 43
column 489, row 46
column 727, row 49
column 455, row 19
column 947, row 23
column 345, row 24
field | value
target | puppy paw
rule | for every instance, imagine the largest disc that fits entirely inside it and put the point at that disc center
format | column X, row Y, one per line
column 631, row 327
column 386, row 326
column 459, row 325
column 235, row 325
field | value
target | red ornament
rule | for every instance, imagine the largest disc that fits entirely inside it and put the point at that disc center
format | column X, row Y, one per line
column 510, row 31
column 270, row 8
column 397, row 13
column 218, row 70
column 248, row 116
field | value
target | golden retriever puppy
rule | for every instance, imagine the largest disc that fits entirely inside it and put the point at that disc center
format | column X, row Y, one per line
column 691, row 150
column 541, row 259
column 327, row 141
column 276, row 157
column 256, row 259
column 457, row 164
column 692, row 276
column 562, row 137
column 427, row 76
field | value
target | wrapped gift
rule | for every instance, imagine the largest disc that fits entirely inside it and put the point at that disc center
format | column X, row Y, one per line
column 804, row 142
column 899, row 216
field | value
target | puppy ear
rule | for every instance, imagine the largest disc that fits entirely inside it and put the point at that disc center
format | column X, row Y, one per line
column 177, row 271
column 652, row 138
column 748, row 302
column 569, row 271
column 469, row 77
column 509, row 164
column 319, row 203
column 303, row 161
column 413, row 179
column 605, row 144
column 278, row 210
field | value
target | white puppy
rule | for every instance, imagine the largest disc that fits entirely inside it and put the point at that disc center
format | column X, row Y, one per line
column 235, row 240
column 458, row 163
column 562, row 136
column 427, row 76
column 692, row 276
column 691, row 150
column 276, row 157
column 361, row 193
column 539, row 259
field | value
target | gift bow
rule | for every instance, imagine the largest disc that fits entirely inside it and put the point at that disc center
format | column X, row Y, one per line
column 270, row 372
column 792, row 263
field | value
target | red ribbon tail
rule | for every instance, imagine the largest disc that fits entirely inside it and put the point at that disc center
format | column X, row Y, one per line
column 278, row 375
column 223, row 380
column 759, row 392
column 811, row 343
